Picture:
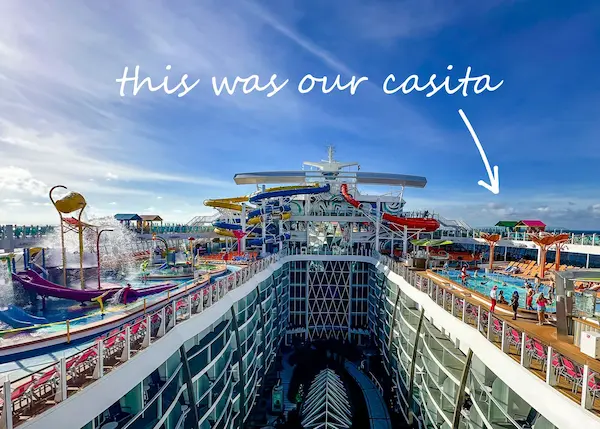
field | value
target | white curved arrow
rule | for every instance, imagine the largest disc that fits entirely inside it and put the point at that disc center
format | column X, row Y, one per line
column 494, row 185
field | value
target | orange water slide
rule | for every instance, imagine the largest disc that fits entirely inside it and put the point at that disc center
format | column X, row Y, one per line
column 424, row 224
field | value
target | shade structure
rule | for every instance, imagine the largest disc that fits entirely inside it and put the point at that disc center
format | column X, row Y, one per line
column 327, row 405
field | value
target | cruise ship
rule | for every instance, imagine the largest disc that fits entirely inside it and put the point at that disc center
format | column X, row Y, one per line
column 335, row 311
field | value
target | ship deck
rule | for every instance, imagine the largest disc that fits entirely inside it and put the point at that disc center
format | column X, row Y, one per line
column 527, row 328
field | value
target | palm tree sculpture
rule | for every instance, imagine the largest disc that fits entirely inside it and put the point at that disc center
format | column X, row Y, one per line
column 491, row 240
column 544, row 241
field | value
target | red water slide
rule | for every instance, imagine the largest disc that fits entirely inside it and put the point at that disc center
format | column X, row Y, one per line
column 424, row 224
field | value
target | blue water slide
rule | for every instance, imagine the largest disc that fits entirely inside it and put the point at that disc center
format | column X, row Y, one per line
column 18, row 318
column 250, row 229
column 268, row 239
column 227, row 225
column 40, row 269
column 269, row 209
column 289, row 193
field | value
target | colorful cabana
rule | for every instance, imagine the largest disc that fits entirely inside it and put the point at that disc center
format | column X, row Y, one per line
column 530, row 226
column 127, row 218
column 147, row 221
column 508, row 224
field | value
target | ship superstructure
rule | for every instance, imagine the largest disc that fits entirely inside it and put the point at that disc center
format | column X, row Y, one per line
column 433, row 354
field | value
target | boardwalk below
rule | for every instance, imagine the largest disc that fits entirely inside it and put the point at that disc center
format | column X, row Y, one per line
column 378, row 413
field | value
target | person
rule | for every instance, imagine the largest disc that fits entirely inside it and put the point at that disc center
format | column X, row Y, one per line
column 463, row 275
column 529, row 297
column 446, row 266
column 514, row 303
column 501, row 299
column 493, row 294
column 541, row 308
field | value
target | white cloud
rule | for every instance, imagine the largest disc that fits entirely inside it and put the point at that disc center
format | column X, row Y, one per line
column 19, row 180
column 63, row 121
column 12, row 202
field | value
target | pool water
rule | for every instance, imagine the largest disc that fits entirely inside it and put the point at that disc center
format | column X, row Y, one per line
column 483, row 284
column 61, row 309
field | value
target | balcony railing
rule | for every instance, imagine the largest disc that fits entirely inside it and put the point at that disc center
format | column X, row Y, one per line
column 577, row 378
column 40, row 390
column 580, row 239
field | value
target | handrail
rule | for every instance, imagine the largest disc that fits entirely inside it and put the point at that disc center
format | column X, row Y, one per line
column 583, row 239
column 498, row 331
column 118, row 346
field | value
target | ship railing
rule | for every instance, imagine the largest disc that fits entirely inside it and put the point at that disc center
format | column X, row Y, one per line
column 180, row 229
column 27, row 231
column 41, row 389
column 341, row 251
column 582, row 239
column 571, row 374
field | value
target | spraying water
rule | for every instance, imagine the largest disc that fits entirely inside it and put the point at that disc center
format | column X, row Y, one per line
column 116, row 249
column 6, row 289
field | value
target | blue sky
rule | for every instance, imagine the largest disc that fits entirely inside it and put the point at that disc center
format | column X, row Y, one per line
column 62, row 119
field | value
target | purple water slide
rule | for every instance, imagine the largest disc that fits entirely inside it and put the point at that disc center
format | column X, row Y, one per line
column 131, row 294
column 32, row 281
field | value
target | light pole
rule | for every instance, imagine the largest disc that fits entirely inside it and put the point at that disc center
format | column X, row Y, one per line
column 98, row 250
column 62, row 234
column 191, row 240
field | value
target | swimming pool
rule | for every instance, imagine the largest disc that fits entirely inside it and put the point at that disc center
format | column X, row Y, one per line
column 58, row 310
column 483, row 284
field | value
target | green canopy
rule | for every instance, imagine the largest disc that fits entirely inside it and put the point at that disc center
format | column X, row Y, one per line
column 427, row 242
column 508, row 223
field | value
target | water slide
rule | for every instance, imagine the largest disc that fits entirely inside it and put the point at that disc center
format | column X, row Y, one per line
column 254, row 217
column 288, row 191
column 33, row 282
column 268, row 239
column 424, row 224
column 271, row 228
column 17, row 318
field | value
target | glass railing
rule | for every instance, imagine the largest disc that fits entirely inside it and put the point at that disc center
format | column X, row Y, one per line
column 580, row 239
column 572, row 374
column 181, row 229
column 43, row 388
column 306, row 250
column 22, row 231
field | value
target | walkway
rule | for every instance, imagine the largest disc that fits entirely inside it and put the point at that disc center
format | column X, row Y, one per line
column 286, row 378
column 27, row 366
column 378, row 413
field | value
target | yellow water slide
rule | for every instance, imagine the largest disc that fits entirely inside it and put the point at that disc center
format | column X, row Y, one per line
column 228, row 233
column 257, row 219
column 234, row 203
column 227, row 203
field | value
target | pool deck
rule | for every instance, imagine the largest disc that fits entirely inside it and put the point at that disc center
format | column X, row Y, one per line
column 130, row 312
column 477, row 298
column 545, row 333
